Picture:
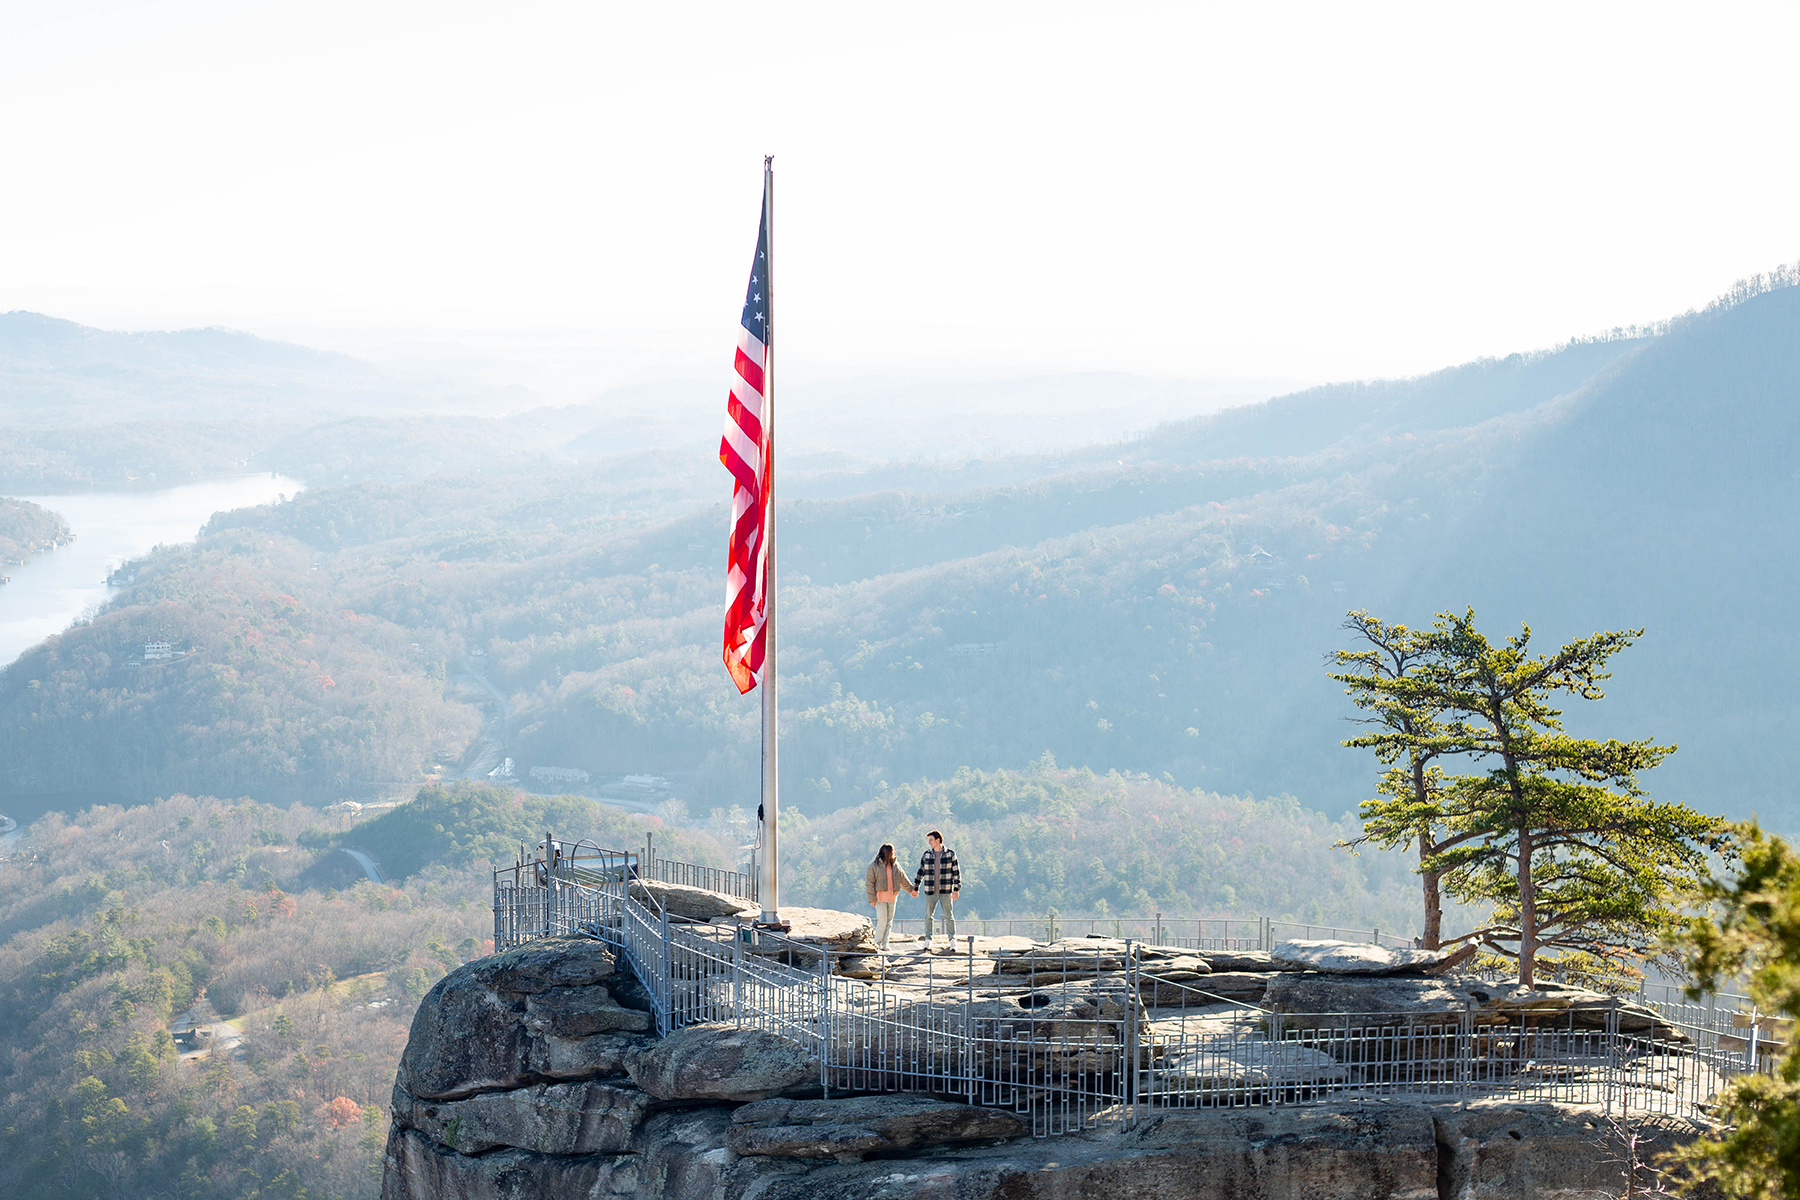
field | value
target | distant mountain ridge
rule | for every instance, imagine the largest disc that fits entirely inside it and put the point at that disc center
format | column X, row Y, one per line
column 1159, row 605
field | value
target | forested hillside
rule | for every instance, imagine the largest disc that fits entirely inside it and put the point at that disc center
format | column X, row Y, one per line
column 1159, row 606
column 27, row 529
column 115, row 922
column 1052, row 839
column 119, row 926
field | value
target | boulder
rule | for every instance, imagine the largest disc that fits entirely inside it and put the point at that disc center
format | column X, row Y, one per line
column 828, row 927
column 867, row 966
column 580, row 1012
column 814, row 928
column 853, row 1128
column 1354, row 958
column 593, row 1057
column 1309, row 1000
column 561, row 1118
column 696, row 904
column 492, row 1024
column 538, row 966
column 722, row 1062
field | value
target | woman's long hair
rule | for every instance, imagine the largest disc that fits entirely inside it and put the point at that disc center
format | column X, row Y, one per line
column 886, row 853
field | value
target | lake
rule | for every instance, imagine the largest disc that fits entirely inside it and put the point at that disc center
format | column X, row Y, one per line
column 52, row 590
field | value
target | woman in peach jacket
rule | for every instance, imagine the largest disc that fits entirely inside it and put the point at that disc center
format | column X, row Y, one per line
column 883, row 882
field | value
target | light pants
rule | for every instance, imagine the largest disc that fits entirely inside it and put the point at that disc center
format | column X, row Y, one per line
column 884, row 920
column 931, row 903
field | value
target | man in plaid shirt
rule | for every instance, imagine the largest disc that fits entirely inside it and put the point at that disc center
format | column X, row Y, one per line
column 940, row 878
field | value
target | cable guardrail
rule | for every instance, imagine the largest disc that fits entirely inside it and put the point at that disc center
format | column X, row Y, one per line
column 1073, row 1041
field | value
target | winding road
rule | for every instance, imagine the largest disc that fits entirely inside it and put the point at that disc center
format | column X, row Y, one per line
column 366, row 863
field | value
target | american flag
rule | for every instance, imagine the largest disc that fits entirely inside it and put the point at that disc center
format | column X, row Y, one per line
column 745, row 452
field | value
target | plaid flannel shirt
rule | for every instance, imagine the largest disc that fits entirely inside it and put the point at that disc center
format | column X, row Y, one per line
column 938, row 873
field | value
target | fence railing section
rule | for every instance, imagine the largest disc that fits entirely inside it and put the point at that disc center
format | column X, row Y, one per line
column 1073, row 1041
column 1194, row 933
column 714, row 879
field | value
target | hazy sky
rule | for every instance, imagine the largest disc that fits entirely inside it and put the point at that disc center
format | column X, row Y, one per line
column 1271, row 190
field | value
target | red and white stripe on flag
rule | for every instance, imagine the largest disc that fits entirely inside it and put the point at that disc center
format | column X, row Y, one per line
column 745, row 452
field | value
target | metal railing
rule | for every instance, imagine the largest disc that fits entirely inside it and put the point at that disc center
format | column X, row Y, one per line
column 735, row 884
column 1193, row 933
column 1073, row 1040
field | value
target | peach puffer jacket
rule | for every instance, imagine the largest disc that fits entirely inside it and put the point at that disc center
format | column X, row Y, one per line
column 885, row 881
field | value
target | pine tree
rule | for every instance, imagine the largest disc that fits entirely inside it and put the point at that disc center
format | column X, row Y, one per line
column 1406, row 737
column 1557, row 834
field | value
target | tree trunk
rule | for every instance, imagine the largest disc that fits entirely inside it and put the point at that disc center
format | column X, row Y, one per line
column 1527, row 913
column 1434, row 901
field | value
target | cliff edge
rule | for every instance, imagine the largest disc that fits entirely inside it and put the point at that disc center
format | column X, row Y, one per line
column 535, row 1073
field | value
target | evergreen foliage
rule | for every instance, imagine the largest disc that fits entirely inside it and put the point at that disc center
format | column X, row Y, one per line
column 1557, row 835
column 1753, row 932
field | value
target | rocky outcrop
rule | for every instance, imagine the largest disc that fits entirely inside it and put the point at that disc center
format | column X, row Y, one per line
column 1310, row 1000
column 1355, row 958
column 1238, row 960
column 722, row 1062
column 561, row 1118
column 534, row 1073
column 1492, row 1151
column 852, row 1129
column 690, row 903
column 537, row 1014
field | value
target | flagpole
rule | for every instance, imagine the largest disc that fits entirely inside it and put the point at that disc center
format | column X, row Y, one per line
column 770, row 884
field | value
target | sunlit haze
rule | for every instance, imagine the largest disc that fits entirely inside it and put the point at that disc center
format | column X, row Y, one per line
column 1292, row 192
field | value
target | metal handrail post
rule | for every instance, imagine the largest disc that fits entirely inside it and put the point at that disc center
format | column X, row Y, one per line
column 1132, row 998
column 666, row 1022
column 1275, row 1046
column 970, row 1066
column 825, row 1020
column 1612, row 1056
column 737, row 973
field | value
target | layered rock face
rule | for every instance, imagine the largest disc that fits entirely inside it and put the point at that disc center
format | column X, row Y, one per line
column 535, row 1073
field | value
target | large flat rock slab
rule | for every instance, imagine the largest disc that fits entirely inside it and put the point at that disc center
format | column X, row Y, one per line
column 696, row 904
column 1354, row 958
column 1312, row 1000
column 1239, row 960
